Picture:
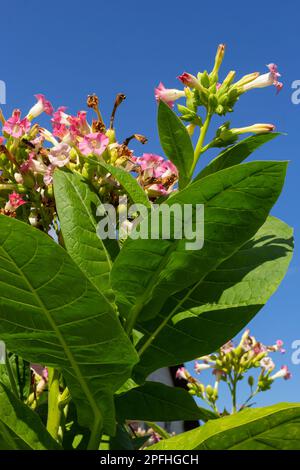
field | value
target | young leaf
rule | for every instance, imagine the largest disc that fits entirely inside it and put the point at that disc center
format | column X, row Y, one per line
column 51, row 314
column 22, row 427
column 155, row 401
column 236, row 154
column 176, row 142
column 272, row 428
column 77, row 204
column 237, row 201
column 214, row 310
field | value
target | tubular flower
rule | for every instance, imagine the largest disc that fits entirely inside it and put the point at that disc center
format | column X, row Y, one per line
column 189, row 80
column 182, row 373
column 60, row 155
column 94, row 143
column 47, row 135
column 267, row 363
column 15, row 126
column 42, row 106
column 60, row 122
column 34, row 165
column 282, row 373
column 279, row 346
column 48, row 175
column 267, row 79
column 168, row 95
column 78, row 124
column 157, row 175
column 255, row 129
column 200, row 367
column 15, row 201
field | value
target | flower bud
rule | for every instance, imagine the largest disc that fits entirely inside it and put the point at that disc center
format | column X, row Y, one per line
column 218, row 61
column 111, row 134
column 251, row 381
column 255, row 129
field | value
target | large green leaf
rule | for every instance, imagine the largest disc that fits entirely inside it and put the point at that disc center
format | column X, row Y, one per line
column 275, row 427
column 50, row 313
column 21, row 376
column 127, row 181
column 237, row 201
column 236, row 154
column 155, row 401
column 176, row 142
column 20, row 427
column 213, row 311
column 77, row 204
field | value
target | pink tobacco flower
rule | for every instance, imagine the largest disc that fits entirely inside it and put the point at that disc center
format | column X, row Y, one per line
column 227, row 347
column 15, row 201
column 198, row 367
column 267, row 79
column 182, row 373
column 94, row 143
column 78, row 124
column 168, row 95
column 282, row 373
column 157, row 175
column 15, row 126
column 60, row 122
column 189, row 80
column 48, row 175
column 34, row 165
column 267, row 364
column 60, row 117
column 156, row 190
column 60, row 155
column 279, row 346
column 154, row 166
column 259, row 348
column 42, row 106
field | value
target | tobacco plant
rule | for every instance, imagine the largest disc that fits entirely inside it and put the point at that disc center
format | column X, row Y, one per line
column 86, row 318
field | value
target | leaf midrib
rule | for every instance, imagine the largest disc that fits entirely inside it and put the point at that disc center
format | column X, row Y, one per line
column 91, row 219
column 136, row 308
column 60, row 337
column 253, row 421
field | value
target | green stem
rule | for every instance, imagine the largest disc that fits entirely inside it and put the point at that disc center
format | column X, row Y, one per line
column 96, row 434
column 249, row 398
column 54, row 411
column 11, row 376
column 162, row 432
column 200, row 142
column 233, row 391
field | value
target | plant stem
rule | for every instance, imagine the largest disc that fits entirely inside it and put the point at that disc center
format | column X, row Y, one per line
column 54, row 411
column 200, row 142
column 11, row 376
column 249, row 398
column 233, row 390
column 96, row 434
column 162, row 432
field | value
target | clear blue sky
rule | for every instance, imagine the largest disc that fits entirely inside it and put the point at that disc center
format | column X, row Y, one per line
column 68, row 49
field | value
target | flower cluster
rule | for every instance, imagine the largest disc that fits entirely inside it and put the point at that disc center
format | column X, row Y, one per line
column 156, row 175
column 205, row 90
column 29, row 155
column 230, row 364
